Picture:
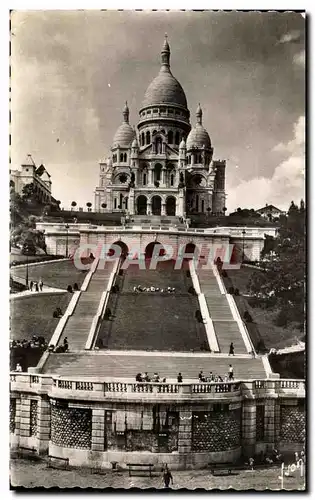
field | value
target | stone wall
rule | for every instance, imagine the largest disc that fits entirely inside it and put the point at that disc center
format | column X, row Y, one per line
column 216, row 430
column 292, row 423
column 71, row 427
column 12, row 414
column 260, row 422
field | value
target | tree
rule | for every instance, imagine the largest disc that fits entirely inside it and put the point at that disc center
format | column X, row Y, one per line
column 284, row 275
column 28, row 191
column 73, row 204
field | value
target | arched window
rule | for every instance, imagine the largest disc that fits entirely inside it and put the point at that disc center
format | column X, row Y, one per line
column 197, row 203
column 202, row 206
column 148, row 137
column 142, row 138
column 172, row 180
column 121, row 157
column 120, row 201
column 125, row 157
column 192, row 159
column 115, row 203
column 170, row 137
column 144, row 179
column 177, row 138
column 126, row 202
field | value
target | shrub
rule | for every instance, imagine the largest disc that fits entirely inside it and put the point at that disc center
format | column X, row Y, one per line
column 236, row 292
column 231, row 290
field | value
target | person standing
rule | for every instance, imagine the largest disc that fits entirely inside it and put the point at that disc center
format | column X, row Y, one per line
column 179, row 378
column 31, row 286
column 231, row 351
column 231, row 372
column 36, row 287
column 167, row 477
column 40, row 284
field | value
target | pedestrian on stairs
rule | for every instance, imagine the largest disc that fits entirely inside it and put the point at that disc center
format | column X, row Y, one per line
column 231, row 372
column 231, row 351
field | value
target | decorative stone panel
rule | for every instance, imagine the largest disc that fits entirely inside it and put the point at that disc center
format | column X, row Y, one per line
column 292, row 423
column 216, row 431
column 33, row 417
column 12, row 414
column 71, row 427
column 260, row 422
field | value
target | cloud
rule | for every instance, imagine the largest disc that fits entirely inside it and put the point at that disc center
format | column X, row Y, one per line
column 290, row 37
column 299, row 58
column 287, row 182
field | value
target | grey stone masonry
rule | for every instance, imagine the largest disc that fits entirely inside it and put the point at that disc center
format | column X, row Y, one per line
column 185, row 431
column 98, row 429
column 25, row 416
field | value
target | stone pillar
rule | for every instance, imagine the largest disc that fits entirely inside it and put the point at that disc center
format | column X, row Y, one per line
column 131, row 202
column 185, row 431
column 150, row 174
column 180, row 205
column 149, row 207
column 249, row 428
column 25, row 416
column 98, row 429
column 269, row 428
column 163, row 208
column 163, row 176
column 43, row 426
column 17, row 416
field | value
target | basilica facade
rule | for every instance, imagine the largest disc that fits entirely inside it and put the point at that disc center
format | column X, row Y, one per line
column 164, row 166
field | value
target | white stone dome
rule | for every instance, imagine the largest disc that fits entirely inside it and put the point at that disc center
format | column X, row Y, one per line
column 124, row 135
column 198, row 137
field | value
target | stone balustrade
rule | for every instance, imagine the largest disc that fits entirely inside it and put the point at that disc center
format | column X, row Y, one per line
column 100, row 389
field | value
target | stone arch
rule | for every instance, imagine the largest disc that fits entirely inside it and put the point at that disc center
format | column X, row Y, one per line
column 150, row 247
column 147, row 137
column 124, row 248
column 156, row 203
column 177, row 138
column 142, row 204
column 170, row 205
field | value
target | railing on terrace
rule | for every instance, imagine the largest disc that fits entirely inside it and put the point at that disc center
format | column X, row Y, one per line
column 33, row 382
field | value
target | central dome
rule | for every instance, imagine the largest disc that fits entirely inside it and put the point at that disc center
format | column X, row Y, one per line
column 165, row 89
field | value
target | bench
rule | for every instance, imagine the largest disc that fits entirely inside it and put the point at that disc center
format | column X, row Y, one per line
column 53, row 462
column 221, row 469
column 140, row 467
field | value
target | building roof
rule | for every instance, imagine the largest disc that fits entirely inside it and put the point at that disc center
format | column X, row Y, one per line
column 41, row 170
column 165, row 89
column 198, row 136
column 269, row 207
column 125, row 133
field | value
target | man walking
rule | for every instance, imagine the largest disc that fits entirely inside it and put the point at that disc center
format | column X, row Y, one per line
column 231, row 351
column 167, row 477
column 231, row 372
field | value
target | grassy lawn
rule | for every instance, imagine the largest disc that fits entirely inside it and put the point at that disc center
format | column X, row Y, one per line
column 32, row 474
column 57, row 274
column 272, row 335
column 33, row 314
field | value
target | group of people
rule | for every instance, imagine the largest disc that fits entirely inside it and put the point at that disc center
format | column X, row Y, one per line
column 74, row 289
column 60, row 348
column 140, row 288
column 19, row 350
column 217, row 378
column 144, row 377
column 57, row 313
column 34, row 342
column 35, row 286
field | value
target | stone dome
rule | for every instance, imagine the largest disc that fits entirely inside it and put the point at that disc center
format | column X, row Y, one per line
column 135, row 143
column 124, row 135
column 164, row 89
column 198, row 137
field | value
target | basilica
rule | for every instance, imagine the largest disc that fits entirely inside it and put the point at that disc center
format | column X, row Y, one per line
column 164, row 166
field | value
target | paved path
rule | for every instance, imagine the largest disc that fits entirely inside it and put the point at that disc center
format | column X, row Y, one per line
column 46, row 289
column 35, row 474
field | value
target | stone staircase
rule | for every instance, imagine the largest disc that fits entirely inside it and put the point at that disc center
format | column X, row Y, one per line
column 113, row 365
column 225, row 327
column 78, row 326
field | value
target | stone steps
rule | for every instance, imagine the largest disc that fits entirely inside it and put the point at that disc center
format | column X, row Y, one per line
column 127, row 366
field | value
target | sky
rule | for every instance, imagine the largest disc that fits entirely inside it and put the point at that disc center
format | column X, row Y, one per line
column 72, row 71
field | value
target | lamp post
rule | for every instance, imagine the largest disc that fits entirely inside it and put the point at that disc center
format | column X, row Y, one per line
column 67, row 228
column 26, row 277
column 243, row 254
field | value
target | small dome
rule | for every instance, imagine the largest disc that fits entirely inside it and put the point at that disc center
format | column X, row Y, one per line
column 135, row 143
column 182, row 144
column 124, row 135
column 198, row 137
